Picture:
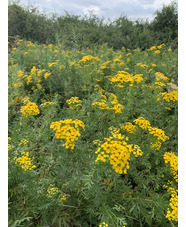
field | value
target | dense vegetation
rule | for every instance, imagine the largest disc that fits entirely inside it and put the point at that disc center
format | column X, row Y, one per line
column 74, row 31
column 92, row 136
column 93, row 113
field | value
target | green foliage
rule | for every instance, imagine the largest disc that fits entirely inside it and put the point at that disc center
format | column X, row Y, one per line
column 165, row 24
column 78, row 32
column 93, row 191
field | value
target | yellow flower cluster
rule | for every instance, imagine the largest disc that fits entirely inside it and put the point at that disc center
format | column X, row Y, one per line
column 159, row 84
column 48, row 104
column 160, row 46
column 34, row 77
column 173, row 160
column 88, row 58
column 171, row 96
column 173, row 213
column 110, row 103
column 142, row 122
column 103, row 224
column 24, row 161
column 67, row 130
column 156, row 145
column 146, row 86
column 105, row 64
column 161, row 76
column 23, row 143
column 116, row 106
column 52, row 64
column 117, row 59
column 29, row 108
column 74, row 103
column 52, row 191
column 123, row 77
column 63, row 196
column 157, row 52
column 152, row 48
column 117, row 151
column 46, row 75
column 142, row 65
column 129, row 127
column 159, row 133
column 30, row 44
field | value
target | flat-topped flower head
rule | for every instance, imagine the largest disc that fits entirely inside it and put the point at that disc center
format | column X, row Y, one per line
column 68, row 130
column 29, row 108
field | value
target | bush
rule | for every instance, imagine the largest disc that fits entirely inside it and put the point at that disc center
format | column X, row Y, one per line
column 73, row 31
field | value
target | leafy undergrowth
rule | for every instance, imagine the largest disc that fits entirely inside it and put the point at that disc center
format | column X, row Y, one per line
column 92, row 136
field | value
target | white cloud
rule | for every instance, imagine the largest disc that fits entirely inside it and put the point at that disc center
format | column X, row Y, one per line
column 104, row 9
column 157, row 4
column 94, row 9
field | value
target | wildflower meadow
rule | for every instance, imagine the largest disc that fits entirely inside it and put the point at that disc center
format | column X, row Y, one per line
column 92, row 136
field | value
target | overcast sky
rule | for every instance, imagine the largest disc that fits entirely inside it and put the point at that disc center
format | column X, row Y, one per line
column 112, row 9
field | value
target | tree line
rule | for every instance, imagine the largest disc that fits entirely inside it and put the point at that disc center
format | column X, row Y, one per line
column 74, row 31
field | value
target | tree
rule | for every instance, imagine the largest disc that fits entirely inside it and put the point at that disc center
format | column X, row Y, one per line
column 165, row 24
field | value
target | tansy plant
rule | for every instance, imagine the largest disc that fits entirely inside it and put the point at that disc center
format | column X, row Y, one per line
column 117, row 151
column 24, row 161
column 29, row 108
column 67, row 130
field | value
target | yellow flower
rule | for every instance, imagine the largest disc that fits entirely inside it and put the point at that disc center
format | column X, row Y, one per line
column 51, row 191
column 15, row 85
column 159, row 84
column 116, row 150
column 157, row 52
column 52, row 64
column 129, row 127
column 152, row 48
column 142, row 122
column 142, row 65
column 63, row 197
column 88, row 58
column 29, row 108
column 172, row 214
column 48, row 104
column 161, row 76
column 23, row 143
column 46, row 75
column 67, row 130
column 111, row 103
column 117, row 59
column 156, row 145
column 24, row 161
column 173, row 160
column 160, row 46
column 171, row 96
column 74, row 103
column 159, row 133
